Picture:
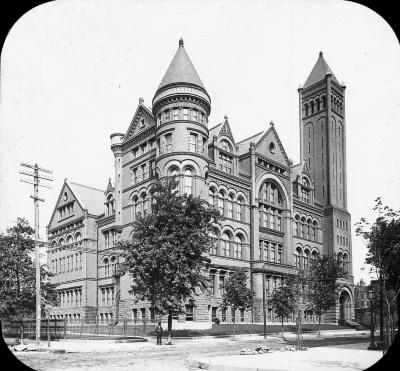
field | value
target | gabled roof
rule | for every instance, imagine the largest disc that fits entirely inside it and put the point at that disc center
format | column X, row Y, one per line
column 299, row 169
column 279, row 154
column 141, row 111
column 89, row 198
column 319, row 71
column 222, row 129
column 181, row 70
column 214, row 130
column 245, row 143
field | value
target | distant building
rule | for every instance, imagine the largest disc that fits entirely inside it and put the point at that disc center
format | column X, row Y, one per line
column 279, row 215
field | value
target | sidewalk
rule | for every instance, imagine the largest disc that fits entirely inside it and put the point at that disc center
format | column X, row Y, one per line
column 315, row 359
column 107, row 344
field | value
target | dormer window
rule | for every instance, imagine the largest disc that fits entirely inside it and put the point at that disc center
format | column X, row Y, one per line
column 226, row 146
column 110, row 205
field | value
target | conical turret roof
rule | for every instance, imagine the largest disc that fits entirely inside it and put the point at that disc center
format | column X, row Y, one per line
column 319, row 71
column 181, row 70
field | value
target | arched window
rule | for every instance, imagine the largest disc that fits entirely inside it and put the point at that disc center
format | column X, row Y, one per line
column 225, row 145
column 238, row 248
column 135, row 204
column 306, row 257
column 225, row 244
column 230, row 206
column 318, row 104
column 214, row 249
column 323, row 101
column 188, row 181
column 345, row 263
column 306, row 109
column 106, row 266
column 297, row 257
column 113, row 262
column 212, row 199
column 69, row 240
column 303, row 227
column 340, row 260
column 221, row 196
column 239, row 209
column 78, row 236
column 314, row 256
column 61, row 241
column 144, row 203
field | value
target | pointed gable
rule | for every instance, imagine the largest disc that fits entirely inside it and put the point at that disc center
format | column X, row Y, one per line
column 270, row 146
column 299, row 170
column 66, row 197
column 109, row 188
column 142, row 120
column 319, row 71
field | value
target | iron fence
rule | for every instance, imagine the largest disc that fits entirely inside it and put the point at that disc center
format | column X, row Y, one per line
column 64, row 329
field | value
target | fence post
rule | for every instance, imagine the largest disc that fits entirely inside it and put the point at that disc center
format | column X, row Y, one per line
column 125, row 324
column 65, row 329
column 48, row 333
column 22, row 330
column 144, row 326
column 80, row 334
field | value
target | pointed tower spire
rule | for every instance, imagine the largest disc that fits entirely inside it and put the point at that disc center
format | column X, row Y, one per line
column 181, row 70
column 318, row 73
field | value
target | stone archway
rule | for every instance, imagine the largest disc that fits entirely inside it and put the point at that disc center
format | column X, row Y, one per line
column 344, row 306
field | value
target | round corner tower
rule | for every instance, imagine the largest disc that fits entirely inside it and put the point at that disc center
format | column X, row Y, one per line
column 181, row 106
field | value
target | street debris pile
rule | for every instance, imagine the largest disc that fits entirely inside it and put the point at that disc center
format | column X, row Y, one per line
column 264, row 349
column 18, row 345
column 258, row 350
column 291, row 349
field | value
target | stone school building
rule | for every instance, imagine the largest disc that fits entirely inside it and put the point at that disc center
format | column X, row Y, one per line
column 278, row 215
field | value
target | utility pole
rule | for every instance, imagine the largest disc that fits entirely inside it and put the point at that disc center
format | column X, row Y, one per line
column 36, row 175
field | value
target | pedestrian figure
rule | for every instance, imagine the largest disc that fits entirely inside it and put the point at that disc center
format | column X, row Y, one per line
column 159, row 331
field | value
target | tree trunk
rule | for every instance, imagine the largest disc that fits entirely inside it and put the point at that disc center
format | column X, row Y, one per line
column 169, row 328
column 282, row 326
column 398, row 311
column 233, row 337
column 319, row 325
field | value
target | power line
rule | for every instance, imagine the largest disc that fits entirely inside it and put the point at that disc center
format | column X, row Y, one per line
column 36, row 174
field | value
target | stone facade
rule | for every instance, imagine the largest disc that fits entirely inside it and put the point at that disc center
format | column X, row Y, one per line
column 278, row 215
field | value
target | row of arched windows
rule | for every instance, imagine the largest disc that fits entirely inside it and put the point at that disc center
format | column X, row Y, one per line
column 109, row 265
column 227, row 203
column 184, row 113
column 305, row 227
column 303, row 257
column 70, row 239
column 314, row 105
column 228, row 245
column 187, row 175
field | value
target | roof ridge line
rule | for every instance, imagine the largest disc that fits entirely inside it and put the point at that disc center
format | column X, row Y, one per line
column 82, row 185
column 262, row 131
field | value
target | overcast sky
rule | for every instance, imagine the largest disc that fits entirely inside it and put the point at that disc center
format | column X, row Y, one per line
column 72, row 73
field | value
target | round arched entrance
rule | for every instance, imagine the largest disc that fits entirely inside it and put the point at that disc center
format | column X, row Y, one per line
column 344, row 306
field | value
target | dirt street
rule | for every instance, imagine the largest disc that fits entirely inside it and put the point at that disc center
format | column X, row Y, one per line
column 175, row 357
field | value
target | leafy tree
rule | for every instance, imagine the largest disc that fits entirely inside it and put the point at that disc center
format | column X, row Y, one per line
column 17, row 274
column 166, row 257
column 322, row 285
column 283, row 299
column 383, row 244
column 236, row 294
